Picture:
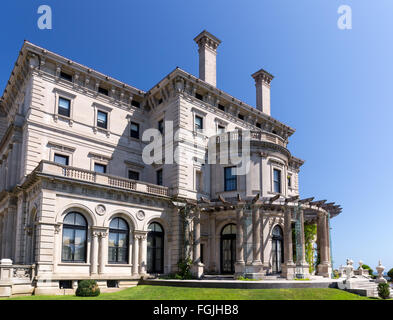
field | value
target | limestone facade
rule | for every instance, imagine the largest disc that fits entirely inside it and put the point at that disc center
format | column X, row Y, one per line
column 98, row 136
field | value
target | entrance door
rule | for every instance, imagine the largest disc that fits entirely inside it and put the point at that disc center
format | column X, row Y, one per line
column 228, row 249
column 277, row 250
column 155, row 248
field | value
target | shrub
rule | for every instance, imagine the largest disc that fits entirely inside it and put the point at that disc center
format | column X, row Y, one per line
column 87, row 288
column 184, row 269
column 336, row 275
column 383, row 290
column 390, row 274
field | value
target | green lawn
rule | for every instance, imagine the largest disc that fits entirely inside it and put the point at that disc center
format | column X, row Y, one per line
column 145, row 292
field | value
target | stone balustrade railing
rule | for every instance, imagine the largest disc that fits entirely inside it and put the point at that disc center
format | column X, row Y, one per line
column 52, row 168
column 15, row 278
column 255, row 135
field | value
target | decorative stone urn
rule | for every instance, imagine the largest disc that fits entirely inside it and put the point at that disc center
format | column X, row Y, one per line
column 360, row 266
column 380, row 268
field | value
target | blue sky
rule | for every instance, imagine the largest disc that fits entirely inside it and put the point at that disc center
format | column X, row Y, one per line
column 333, row 86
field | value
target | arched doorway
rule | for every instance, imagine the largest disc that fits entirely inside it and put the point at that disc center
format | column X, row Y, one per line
column 277, row 249
column 228, row 248
column 155, row 248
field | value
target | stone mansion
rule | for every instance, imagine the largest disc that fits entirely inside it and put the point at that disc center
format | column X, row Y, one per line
column 77, row 200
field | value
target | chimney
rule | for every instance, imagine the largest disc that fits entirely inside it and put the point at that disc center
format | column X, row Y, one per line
column 262, row 84
column 207, row 44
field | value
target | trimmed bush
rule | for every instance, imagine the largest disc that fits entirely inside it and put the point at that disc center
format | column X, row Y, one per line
column 390, row 274
column 383, row 290
column 87, row 288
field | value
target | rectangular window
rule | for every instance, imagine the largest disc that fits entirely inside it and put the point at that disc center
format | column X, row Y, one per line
column 102, row 119
column 161, row 126
column 277, row 180
column 66, row 76
column 198, row 123
column 60, row 159
column 259, row 125
column 134, row 130
column 202, row 252
column 221, row 107
column 289, row 181
column 198, row 96
column 103, row 91
column 199, row 181
column 135, row 103
column 134, row 175
column 100, row 168
column 159, row 177
column 220, row 129
column 230, row 179
column 240, row 116
column 64, row 107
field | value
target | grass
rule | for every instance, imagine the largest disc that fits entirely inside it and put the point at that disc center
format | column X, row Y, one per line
column 146, row 292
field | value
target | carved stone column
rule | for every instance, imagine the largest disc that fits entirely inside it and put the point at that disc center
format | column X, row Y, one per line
column 197, row 265
column 324, row 268
column 256, row 236
column 135, row 263
column 103, row 249
column 212, row 242
column 143, row 254
column 301, row 259
column 240, row 265
column 288, row 266
column 94, row 250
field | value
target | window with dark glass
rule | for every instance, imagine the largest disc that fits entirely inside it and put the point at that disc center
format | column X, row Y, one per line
column 289, row 181
column 220, row 129
column 61, row 159
column 118, row 241
column 64, row 107
column 134, row 130
column 161, row 126
column 198, row 123
column 198, row 96
column 66, row 76
column 230, row 179
column 102, row 119
column 103, row 91
column 221, row 107
column 259, row 125
column 240, row 116
column 74, row 238
column 100, row 168
column 159, row 177
column 277, row 180
column 135, row 103
column 160, row 101
column 155, row 248
column 134, row 175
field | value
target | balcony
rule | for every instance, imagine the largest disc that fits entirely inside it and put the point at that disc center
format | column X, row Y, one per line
column 255, row 136
column 55, row 169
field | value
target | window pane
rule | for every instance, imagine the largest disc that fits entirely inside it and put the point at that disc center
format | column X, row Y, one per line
column 112, row 254
column 122, row 224
column 64, row 107
column 134, row 130
column 80, row 245
column 122, row 240
column 68, row 247
column 198, row 123
column 102, row 119
column 99, row 168
column 159, row 177
column 60, row 159
column 112, row 240
column 134, row 175
column 80, row 220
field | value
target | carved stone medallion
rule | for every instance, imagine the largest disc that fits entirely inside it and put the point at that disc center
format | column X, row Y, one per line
column 100, row 209
column 140, row 215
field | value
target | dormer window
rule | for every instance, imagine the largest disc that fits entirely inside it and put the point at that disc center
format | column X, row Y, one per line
column 103, row 91
column 66, row 76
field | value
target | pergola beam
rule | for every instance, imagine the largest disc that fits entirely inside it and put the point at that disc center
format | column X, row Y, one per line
column 272, row 199
column 307, row 200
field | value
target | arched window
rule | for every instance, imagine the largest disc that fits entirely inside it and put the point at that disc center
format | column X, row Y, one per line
column 74, row 238
column 118, row 241
column 155, row 248
column 277, row 249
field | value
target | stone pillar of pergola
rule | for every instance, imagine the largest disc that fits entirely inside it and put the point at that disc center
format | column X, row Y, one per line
column 324, row 268
column 197, row 266
column 288, row 268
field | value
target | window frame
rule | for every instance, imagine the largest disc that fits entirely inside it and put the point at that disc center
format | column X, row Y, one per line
column 57, row 154
column 67, row 96
column 279, row 182
column 75, row 227
column 116, row 247
column 104, row 109
column 134, row 171
column 105, row 166
column 232, row 178
column 139, row 130
column 195, row 122
column 160, row 171
column 105, row 124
